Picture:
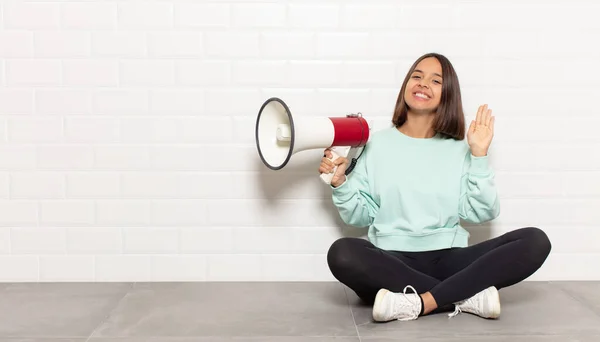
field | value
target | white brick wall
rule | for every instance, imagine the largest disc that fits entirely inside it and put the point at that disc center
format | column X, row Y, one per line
column 127, row 128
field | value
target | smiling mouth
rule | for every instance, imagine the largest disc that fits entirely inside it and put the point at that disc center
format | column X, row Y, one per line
column 421, row 95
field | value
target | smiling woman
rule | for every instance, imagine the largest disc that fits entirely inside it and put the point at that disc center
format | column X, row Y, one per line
column 411, row 187
column 432, row 87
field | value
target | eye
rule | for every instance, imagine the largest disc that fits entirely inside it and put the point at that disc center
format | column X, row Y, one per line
column 415, row 76
column 438, row 82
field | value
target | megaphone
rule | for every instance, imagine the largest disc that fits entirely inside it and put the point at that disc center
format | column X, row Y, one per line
column 279, row 136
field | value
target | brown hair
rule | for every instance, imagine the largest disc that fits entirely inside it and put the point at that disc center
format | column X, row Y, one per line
column 449, row 121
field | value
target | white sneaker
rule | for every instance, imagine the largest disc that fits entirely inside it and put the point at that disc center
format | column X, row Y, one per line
column 485, row 304
column 396, row 306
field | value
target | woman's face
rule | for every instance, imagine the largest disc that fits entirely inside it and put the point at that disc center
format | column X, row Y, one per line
column 424, row 87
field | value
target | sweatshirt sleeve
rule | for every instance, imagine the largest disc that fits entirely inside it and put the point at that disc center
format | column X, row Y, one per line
column 479, row 201
column 352, row 198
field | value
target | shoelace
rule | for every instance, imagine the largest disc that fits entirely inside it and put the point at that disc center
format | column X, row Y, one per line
column 415, row 304
column 458, row 305
column 456, row 312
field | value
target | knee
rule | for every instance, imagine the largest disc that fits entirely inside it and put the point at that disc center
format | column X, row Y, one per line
column 538, row 242
column 342, row 254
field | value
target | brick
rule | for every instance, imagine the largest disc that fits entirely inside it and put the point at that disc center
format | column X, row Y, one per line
column 62, row 44
column 92, row 130
column 210, row 240
column 342, row 45
column 58, row 101
column 144, row 16
column 179, row 268
column 37, row 185
column 374, row 74
column 340, row 102
column 59, row 268
column 94, row 240
column 67, row 213
column 258, row 15
column 234, row 44
column 16, row 101
column 202, row 15
column 202, row 73
column 149, row 240
column 294, row 45
column 238, row 100
column 118, row 157
column 124, row 44
column 313, row 16
column 31, row 15
column 122, row 268
column 34, row 129
column 177, row 101
column 370, row 16
column 283, row 267
column 92, row 185
column 122, row 213
column 115, row 101
column 260, row 73
column 38, row 240
column 234, row 267
column 147, row 73
column 17, row 157
column 179, row 213
column 175, row 44
column 16, row 44
column 91, row 72
column 89, row 15
column 64, row 157
column 32, row 72
column 19, row 268
column 313, row 73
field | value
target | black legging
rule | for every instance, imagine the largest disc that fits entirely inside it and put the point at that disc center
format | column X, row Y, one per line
column 450, row 274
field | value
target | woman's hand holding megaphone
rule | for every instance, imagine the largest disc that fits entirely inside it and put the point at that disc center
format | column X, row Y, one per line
column 338, row 166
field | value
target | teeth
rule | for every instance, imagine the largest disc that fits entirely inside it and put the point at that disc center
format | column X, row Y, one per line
column 421, row 95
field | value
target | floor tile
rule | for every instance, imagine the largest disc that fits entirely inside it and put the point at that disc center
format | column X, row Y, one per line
column 81, row 339
column 487, row 338
column 55, row 309
column 529, row 308
column 587, row 292
column 232, row 309
column 230, row 339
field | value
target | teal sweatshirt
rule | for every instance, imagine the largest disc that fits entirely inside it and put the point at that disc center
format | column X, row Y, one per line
column 411, row 193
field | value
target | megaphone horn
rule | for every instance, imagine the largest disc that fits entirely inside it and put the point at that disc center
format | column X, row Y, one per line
column 279, row 136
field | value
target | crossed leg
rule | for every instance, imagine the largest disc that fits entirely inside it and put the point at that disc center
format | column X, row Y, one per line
column 442, row 277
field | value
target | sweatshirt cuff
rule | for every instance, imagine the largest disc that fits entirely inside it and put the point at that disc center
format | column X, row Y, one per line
column 480, row 165
column 343, row 191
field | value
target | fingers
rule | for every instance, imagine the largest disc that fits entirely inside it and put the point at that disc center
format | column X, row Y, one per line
column 327, row 165
column 488, row 120
column 484, row 116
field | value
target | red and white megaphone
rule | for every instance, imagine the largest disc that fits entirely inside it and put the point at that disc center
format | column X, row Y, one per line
column 278, row 136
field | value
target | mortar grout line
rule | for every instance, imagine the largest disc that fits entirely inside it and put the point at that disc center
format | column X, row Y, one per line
column 352, row 313
column 131, row 286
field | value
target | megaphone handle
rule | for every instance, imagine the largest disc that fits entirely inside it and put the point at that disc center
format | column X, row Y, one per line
column 336, row 152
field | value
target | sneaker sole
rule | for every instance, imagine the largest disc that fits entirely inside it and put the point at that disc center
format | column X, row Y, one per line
column 493, row 302
column 377, row 306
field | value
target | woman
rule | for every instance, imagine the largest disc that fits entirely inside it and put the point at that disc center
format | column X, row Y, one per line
column 411, row 186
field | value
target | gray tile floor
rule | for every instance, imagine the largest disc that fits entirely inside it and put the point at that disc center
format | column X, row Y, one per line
column 287, row 312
